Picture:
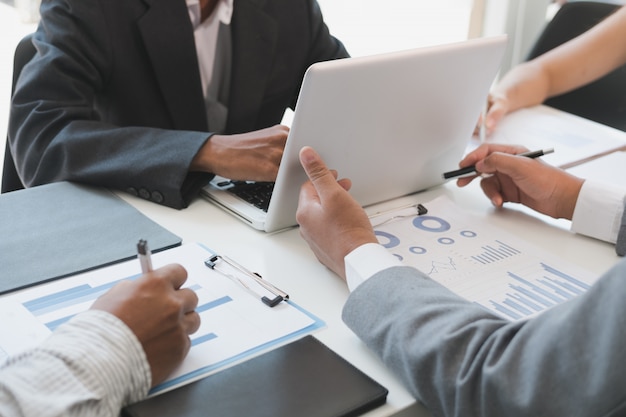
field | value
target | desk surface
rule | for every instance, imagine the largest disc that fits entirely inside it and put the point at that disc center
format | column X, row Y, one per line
column 285, row 259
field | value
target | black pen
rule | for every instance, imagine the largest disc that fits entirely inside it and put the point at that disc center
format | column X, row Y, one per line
column 143, row 253
column 472, row 169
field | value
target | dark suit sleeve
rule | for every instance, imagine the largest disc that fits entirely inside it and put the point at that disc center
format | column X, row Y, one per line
column 324, row 46
column 460, row 360
column 55, row 132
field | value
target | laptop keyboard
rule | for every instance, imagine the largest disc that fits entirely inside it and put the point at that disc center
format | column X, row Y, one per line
column 256, row 193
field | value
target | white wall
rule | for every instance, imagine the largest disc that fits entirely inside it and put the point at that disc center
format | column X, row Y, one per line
column 522, row 20
column 374, row 26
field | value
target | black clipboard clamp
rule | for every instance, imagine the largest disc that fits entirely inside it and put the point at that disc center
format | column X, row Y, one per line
column 215, row 263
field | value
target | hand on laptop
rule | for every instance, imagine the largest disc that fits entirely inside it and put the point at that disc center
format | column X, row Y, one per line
column 497, row 108
column 542, row 187
column 331, row 221
column 159, row 313
column 252, row 156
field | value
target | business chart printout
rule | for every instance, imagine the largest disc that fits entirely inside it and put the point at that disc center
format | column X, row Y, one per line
column 234, row 324
column 499, row 271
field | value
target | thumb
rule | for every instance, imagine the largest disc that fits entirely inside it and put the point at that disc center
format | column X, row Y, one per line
column 316, row 169
column 508, row 164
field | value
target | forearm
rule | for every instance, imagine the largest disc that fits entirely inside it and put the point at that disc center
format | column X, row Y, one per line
column 459, row 359
column 571, row 65
column 92, row 365
column 152, row 163
column 525, row 85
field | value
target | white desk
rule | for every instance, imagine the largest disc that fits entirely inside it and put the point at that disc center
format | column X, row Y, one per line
column 285, row 259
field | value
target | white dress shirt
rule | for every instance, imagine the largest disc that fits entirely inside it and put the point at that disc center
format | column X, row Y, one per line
column 90, row 366
column 597, row 214
column 205, row 34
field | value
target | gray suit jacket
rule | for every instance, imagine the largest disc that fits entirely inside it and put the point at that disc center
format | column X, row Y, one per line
column 460, row 360
column 113, row 96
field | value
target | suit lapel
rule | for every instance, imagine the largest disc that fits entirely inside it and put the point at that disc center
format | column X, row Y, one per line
column 169, row 40
column 254, row 38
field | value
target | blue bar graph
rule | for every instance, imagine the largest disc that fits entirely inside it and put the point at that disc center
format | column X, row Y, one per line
column 213, row 304
column 531, row 295
column 87, row 293
column 69, row 297
column 494, row 253
column 204, row 338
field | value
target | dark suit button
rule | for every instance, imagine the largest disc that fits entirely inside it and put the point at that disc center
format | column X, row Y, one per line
column 143, row 193
column 132, row 191
column 157, row 197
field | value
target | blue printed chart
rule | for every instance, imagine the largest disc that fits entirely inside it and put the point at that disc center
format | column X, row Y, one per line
column 498, row 271
column 234, row 323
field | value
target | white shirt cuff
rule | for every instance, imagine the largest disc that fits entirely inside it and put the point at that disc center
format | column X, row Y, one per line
column 365, row 261
column 598, row 211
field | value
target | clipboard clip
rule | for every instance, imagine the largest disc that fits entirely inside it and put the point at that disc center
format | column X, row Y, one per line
column 415, row 210
column 215, row 262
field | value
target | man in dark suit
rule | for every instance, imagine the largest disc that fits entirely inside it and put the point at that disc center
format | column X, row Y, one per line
column 156, row 96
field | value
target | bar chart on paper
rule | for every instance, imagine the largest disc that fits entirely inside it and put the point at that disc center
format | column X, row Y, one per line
column 234, row 324
column 500, row 272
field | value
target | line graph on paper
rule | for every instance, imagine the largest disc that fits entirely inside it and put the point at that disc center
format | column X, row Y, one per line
column 500, row 272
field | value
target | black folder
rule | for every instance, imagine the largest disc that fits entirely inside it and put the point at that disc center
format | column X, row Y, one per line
column 302, row 379
column 61, row 229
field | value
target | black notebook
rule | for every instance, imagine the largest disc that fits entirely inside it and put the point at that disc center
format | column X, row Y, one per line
column 302, row 379
column 61, row 229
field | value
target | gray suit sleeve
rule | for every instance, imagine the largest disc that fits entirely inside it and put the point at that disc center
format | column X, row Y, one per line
column 460, row 360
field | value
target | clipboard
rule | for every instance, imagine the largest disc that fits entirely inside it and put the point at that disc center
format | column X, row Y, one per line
column 235, row 326
column 303, row 378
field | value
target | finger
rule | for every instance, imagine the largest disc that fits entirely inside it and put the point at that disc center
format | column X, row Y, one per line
column 319, row 175
column 189, row 299
column 505, row 163
column 283, row 128
column 174, row 273
column 494, row 115
column 463, row 181
column 191, row 322
column 476, row 155
column 487, row 149
column 491, row 188
column 346, row 183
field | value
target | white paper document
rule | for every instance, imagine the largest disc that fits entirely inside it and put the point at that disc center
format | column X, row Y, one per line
column 574, row 139
column 485, row 265
column 235, row 324
column 608, row 169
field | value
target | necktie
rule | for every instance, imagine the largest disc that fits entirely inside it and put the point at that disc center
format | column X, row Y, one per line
column 206, row 8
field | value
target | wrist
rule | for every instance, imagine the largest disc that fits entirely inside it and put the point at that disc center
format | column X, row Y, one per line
column 569, row 197
column 357, row 240
column 203, row 160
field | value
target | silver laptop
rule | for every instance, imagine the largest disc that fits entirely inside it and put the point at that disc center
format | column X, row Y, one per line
column 392, row 123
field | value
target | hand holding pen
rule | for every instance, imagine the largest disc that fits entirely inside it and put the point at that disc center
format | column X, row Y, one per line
column 472, row 170
column 513, row 178
column 160, row 313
